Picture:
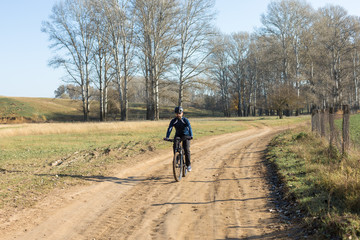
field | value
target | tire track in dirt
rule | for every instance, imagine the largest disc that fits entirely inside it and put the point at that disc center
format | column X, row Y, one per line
column 224, row 197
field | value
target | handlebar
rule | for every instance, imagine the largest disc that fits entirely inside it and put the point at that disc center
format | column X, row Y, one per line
column 177, row 138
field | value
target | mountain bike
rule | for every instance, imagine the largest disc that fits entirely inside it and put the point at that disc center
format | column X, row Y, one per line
column 179, row 166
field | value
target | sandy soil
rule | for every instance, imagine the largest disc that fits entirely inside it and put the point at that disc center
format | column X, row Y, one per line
column 226, row 196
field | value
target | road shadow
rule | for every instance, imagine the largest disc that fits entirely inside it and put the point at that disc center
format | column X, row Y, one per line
column 219, row 180
column 131, row 180
column 294, row 233
column 3, row 170
column 230, row 167
column 208, row 202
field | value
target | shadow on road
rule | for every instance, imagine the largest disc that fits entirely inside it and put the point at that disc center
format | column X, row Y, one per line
column 294, row 233
column 219, row 180
column 132, row 180
column 208, row 202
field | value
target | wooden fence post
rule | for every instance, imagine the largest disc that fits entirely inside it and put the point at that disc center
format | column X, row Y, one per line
column 313, row 120
column 346, row 129
column 322, row 123
column 332, row 125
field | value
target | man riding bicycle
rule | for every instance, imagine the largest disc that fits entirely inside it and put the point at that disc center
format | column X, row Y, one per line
column 183, row 131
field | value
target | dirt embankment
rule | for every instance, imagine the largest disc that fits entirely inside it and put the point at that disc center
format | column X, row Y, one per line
column 226, row 196
column 16, row 120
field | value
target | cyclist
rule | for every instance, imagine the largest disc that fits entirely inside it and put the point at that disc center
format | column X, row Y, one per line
column 183, row 131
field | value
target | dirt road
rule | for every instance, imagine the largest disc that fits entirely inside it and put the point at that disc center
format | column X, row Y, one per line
column 225, row 197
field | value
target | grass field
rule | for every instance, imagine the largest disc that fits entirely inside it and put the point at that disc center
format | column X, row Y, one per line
column 355, row 129
column 40, row 109
column 21, row 109
column 36, row 158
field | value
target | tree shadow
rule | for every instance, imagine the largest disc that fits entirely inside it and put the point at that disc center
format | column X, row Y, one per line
column 131, row 180
column 3, row 170
column 293, row 233
column 208, row 202
column 98, row 178
column 232, row 179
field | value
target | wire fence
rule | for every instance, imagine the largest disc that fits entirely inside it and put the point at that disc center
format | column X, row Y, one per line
column 334, row 126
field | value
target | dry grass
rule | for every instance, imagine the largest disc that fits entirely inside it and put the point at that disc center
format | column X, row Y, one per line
column 140, row 126
column 67, row 128
column 52, row 104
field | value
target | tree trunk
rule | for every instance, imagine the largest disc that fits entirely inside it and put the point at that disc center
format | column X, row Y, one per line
column 87, row 81
column 280, row 113
column 105, row 102
column 101, row 98
column 181, row 90
column 101, row 93
column 239, row 112
column 157, row 109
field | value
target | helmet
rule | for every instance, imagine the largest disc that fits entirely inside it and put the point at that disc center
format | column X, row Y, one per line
column 179, row 109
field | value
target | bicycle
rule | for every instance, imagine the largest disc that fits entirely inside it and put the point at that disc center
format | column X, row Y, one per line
column 179, row 166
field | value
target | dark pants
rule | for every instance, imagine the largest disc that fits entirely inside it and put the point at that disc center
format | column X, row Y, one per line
column 186, row 147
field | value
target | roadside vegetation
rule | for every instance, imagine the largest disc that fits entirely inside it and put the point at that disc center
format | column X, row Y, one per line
column 324, row 184
column 36, row 158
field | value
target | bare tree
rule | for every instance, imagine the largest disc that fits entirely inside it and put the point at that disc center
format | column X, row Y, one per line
column 238, row 48
column 157, row 22
column 195, row 29
column 219, row 67
column 335, row 29
column 356, row 61
column 287, row 21
column 282, row 97
column 71, row 32
column 102, row 57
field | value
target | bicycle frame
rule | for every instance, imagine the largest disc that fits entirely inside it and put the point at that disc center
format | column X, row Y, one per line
column 179, row 167
column 178, row 147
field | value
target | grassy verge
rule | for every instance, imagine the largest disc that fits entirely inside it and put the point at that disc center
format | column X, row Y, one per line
column 36, row 158
column 325, row 186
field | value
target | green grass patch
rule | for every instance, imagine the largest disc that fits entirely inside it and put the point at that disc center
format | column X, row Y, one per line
column 13, row 108
column 324, row 184
column 355, row 128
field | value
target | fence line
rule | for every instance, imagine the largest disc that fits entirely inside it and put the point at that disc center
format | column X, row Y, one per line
column 323, row 124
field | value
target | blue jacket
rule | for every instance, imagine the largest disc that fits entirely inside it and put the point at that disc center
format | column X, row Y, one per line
column 182, row 126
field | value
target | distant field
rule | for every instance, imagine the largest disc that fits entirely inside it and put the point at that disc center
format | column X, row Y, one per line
column 354, row 128
column 18, row 109
column 36, row 158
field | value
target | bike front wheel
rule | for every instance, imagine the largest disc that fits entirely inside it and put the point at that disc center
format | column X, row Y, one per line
column 184, row 171
column 177, row 166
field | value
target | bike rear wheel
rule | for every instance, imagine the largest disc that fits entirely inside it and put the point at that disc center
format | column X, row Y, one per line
column 177, row 166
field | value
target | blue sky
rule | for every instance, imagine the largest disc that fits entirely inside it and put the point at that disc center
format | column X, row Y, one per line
column 24, row 51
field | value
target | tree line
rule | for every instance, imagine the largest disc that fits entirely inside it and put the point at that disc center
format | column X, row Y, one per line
column 298, row 59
